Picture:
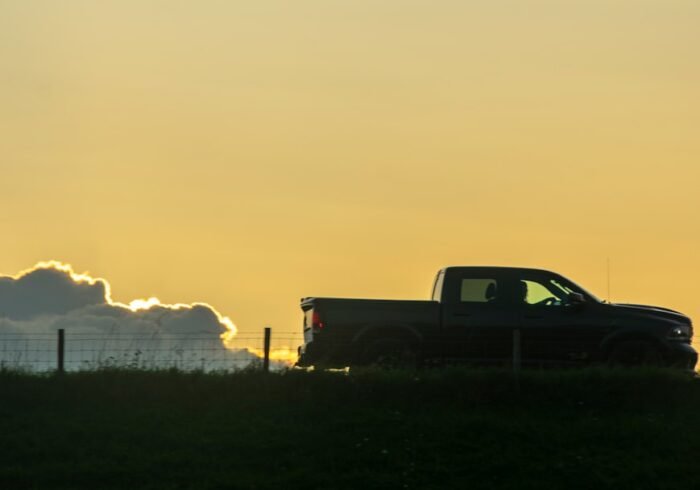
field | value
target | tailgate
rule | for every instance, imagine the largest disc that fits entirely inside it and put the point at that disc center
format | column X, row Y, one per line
column 308, row 308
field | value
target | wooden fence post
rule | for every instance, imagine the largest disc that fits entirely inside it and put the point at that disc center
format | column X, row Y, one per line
column 266, row 350
column 61, row 349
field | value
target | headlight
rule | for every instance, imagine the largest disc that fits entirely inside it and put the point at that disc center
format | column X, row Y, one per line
column 678, row 333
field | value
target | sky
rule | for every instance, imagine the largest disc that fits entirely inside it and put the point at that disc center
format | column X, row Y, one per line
column 247, row 154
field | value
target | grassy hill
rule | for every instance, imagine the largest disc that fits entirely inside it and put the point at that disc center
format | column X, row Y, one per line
column 453, row 428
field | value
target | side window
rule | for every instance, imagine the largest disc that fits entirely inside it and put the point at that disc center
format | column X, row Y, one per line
column 437, row 287
column 540, row 294
column 478, row 290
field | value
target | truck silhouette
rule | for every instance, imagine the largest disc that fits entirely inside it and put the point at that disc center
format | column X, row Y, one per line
column 473, row 314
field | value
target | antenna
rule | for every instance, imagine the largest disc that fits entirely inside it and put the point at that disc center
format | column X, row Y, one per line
column 609, row 299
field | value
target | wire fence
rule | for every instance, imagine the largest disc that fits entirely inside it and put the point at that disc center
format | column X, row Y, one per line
column 45, row 352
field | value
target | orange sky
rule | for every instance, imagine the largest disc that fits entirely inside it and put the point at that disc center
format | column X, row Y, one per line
column 249, row 153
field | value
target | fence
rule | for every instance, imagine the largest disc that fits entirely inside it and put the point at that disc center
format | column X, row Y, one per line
column 63, row 350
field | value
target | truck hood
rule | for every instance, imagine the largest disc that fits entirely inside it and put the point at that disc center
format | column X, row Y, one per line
column 655, row 311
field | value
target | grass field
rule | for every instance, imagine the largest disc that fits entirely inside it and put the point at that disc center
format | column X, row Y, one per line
column 457, row 428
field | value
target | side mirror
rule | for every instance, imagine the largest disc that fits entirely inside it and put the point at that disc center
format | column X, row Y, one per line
column 576, row 299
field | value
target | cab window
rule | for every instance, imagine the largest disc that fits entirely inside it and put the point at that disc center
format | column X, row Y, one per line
column 541, row 293
column 478, row 290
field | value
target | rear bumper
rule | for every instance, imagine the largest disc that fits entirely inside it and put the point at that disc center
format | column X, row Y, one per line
column 321, row 354
column 307, row 355
column 682, row 356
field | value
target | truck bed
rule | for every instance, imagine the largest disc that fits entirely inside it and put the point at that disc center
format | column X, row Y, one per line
column 344, row 324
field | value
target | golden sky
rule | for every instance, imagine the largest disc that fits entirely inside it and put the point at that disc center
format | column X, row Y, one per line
column 249, row 153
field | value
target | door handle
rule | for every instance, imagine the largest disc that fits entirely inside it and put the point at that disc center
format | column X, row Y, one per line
column 533, row 317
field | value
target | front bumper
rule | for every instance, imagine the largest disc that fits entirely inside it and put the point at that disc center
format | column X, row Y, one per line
column 681, row 355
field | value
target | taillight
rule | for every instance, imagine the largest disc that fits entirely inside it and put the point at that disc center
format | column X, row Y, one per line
column 316, row 322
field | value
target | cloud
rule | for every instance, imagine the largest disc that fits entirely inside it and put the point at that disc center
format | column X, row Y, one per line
column 37, row 302
column 48, row 291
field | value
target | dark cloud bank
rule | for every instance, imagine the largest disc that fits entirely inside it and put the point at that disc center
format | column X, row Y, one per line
column 101, row 332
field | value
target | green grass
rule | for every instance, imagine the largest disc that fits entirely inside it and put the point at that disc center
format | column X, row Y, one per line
column 456, row 428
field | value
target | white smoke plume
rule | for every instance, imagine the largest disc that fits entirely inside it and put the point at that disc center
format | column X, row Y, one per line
column 36, row 303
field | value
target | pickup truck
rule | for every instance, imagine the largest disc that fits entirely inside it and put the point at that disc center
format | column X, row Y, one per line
column 473, row 315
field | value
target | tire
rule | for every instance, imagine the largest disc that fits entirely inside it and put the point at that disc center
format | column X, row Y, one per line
column 390, row 354
column 635, row 353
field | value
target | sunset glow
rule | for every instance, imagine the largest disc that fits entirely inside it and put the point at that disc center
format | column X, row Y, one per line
column 285, row 355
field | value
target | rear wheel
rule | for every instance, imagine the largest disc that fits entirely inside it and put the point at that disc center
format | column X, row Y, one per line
column 635, row 353
column 390, row 353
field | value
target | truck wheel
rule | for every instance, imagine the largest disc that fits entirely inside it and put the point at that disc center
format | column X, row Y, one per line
column 635, row 353
column 390, row 353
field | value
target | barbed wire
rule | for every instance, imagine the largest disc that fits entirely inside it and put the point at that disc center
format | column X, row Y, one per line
column 38, row 351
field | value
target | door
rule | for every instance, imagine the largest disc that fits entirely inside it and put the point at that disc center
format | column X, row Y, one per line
column 478, row 322
column 555, row 329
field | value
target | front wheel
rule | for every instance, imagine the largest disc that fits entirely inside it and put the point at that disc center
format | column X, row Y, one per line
column 635, row 353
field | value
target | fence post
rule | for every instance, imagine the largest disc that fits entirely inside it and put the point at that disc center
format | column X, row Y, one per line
column 266, row 350
column 516, row 352
column 61, row 349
